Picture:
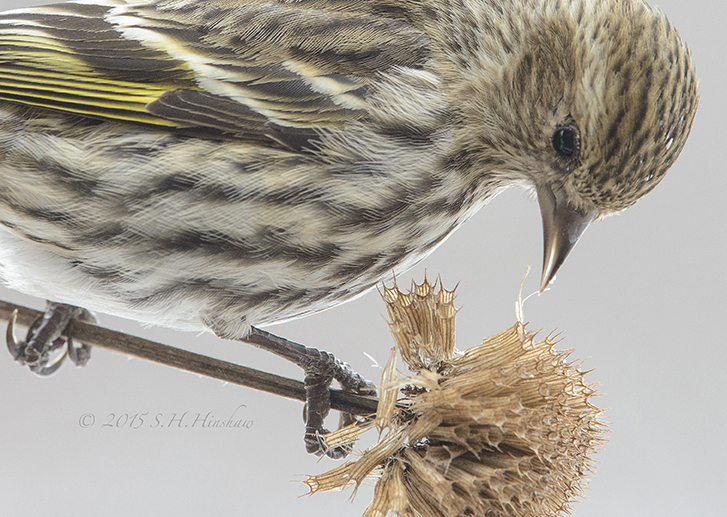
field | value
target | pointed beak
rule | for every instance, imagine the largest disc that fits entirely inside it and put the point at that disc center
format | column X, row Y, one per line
column 562, row 227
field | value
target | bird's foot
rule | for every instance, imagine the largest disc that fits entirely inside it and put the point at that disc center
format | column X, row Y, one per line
column 45, row 337
column 320, row 368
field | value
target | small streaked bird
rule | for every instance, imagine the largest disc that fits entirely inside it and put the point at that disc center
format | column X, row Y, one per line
column 224, row 164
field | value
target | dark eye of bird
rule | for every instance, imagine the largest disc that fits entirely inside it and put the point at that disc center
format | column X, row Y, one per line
column 565, row 141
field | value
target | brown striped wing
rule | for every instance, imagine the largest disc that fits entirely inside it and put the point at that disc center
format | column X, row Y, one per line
column 252, row 68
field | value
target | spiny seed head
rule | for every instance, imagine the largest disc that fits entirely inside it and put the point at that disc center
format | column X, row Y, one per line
column 505, row 429
column 593, row 99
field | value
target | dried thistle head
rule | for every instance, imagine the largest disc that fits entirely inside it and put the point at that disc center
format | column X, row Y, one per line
column 504, row 429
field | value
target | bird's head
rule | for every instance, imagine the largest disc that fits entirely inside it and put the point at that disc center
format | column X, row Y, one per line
column 587, row 103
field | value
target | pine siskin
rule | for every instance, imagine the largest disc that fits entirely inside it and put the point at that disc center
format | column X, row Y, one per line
column 226, row 163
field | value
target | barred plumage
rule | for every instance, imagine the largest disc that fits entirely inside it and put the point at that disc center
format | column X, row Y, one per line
column 223, row 163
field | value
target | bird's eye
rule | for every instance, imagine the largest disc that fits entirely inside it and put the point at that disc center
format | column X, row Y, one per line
column 565, row 141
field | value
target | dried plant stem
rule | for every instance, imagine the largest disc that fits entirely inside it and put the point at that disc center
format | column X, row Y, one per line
column 175, row 357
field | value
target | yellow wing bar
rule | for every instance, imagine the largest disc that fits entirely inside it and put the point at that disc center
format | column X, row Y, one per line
column 104, row 75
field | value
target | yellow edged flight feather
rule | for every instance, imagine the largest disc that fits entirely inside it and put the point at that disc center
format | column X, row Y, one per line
column 239, row 67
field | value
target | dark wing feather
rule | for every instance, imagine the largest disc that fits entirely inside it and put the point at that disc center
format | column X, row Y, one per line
column 256, row 69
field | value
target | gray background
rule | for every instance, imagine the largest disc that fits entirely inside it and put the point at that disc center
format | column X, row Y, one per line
column 641, row 298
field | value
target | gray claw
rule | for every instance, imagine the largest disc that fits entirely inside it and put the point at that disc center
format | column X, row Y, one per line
column 79, row 355
column 17, row 350
column 44, row 368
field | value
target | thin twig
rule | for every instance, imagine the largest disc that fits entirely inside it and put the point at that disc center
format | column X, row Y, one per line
column 152, row 351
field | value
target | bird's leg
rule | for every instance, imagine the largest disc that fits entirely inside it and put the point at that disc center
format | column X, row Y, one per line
column 320, row 369
column 44, row 337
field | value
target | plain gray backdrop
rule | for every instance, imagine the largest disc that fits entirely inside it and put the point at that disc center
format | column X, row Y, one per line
column 642, row 299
